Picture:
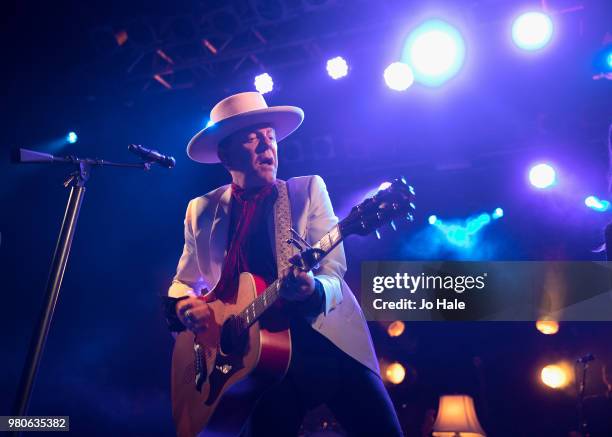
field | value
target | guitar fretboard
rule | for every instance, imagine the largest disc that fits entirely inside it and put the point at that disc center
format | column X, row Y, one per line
column 265, row 300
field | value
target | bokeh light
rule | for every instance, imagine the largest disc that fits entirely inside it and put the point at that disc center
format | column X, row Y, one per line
column 497, row 213
column 532, row 30
column 264, row 83
column 337, row 67
column 542, row 176
column 435, row 51
column 398, row 76
column 597, row 204
column 395, row 329
column 72, row 137
column 395, row 373
column 547, row 327
column 555, row 376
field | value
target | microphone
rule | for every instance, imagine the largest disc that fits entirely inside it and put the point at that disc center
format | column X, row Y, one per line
column 586, row 358
column 150, row 155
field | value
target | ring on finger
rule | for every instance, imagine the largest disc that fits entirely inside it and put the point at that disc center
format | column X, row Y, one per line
column 189, row 316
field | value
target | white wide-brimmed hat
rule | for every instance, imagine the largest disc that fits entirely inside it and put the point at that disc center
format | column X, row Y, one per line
column 237, row 112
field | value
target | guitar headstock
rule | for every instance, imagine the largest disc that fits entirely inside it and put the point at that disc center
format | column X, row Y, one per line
column 395, row 201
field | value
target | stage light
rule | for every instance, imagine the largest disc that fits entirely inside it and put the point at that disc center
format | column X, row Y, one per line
column 597, row 204
column 457, row 235
column 435, row 51
column 498, row 213
column 209, row 123
column 264, row 83
column 547, row 327
column 337, row 67
column 395, row 373
column 462, row 234
column 72, row 138
column 474, row 225
column 555, row 376
column 532, row 30
column 398, row 76
column 542, row 176
column 395, row 329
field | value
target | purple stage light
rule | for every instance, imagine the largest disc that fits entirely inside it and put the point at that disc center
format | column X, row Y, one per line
column 264, row 83
column 542, row 176
column 337, row 67
column 532, row 30
column 398, row 76
column 435, row 51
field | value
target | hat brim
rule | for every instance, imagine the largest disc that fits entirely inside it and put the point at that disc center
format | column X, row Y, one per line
column 203, row 146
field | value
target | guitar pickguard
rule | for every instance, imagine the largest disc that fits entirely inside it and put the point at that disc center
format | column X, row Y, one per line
column 225, row 366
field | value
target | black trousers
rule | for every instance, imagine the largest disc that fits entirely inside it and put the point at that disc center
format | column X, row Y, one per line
column 320, row 373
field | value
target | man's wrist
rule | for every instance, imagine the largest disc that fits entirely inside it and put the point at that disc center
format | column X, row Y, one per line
column 313, row 305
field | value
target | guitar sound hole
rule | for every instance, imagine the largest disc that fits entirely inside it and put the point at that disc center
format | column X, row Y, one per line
column 234, row 338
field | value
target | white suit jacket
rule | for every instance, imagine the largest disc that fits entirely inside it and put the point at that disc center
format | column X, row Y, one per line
column 206, row 242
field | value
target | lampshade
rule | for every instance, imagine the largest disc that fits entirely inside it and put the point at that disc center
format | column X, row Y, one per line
column 457, row 418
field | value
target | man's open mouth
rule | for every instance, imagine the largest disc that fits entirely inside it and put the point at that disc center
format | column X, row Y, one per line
column 265, row 161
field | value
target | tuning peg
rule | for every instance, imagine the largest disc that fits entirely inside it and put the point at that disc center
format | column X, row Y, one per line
column 403, row 179
column 412, row 205
column 411, row 189
column 393, row 225
column 377, row 234
column 409, row 217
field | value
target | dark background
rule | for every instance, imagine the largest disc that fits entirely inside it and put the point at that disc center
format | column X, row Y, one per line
column 465, row 146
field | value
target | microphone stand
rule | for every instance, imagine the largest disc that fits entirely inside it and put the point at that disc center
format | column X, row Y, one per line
column 76, row 180
column 583, row 426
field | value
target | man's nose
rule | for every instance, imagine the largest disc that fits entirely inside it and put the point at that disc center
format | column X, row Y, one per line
column 265, row 143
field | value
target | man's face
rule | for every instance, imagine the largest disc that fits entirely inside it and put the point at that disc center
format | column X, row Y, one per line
column 253, row 151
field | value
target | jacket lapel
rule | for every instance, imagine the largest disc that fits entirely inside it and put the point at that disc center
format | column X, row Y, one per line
column 219, row 234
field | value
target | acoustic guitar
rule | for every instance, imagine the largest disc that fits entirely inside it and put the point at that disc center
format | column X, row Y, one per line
column 218, row 374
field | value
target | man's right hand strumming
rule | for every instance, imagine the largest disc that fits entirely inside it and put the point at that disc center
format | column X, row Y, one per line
column 194, row 313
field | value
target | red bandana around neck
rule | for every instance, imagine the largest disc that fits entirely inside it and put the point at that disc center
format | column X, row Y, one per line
column 236, row 261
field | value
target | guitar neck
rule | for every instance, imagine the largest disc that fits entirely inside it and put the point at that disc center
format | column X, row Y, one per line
column 271, row 294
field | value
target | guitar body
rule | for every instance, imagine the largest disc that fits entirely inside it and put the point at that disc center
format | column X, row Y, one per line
column 216, row 382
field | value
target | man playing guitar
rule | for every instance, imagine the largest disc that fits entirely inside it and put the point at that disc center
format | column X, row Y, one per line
column 231, row 230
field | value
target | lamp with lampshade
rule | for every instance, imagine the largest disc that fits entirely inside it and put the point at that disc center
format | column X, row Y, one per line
column 457, row 418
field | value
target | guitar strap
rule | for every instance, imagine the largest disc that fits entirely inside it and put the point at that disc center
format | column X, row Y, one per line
column 282, row 226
